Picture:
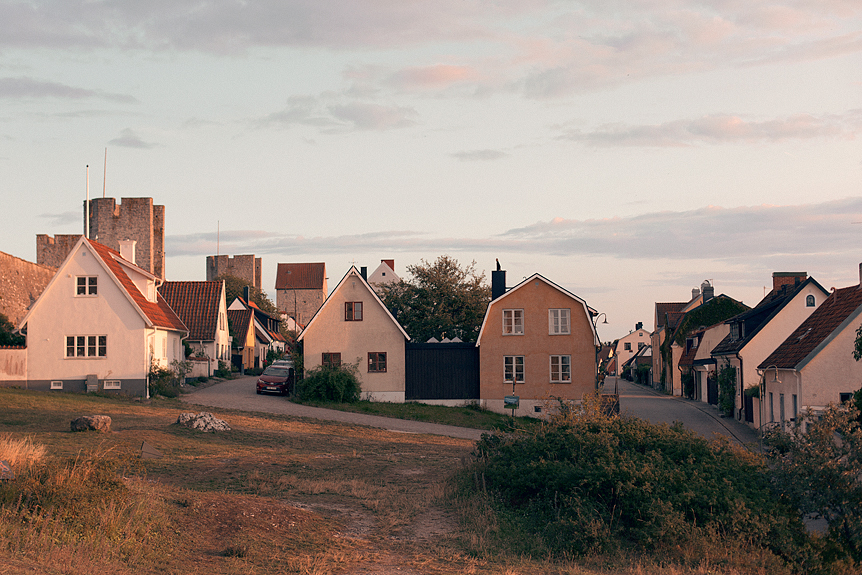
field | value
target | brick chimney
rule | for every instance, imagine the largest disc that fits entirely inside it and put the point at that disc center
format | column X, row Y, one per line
column 787, row 279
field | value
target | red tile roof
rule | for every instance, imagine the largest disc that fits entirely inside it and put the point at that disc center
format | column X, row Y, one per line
column 159, row 312
column 197, row 303
column 663, row 309
column 819, row 326
column 240, row 319
column 300, row 276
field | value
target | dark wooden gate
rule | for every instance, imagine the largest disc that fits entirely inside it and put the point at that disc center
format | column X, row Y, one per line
column 712, row 390
column 441, row 371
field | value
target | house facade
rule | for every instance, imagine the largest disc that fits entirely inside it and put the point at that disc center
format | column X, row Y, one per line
column 628, row 346
column 353, row 326
column 537, row 342
column 814, row 366
column 384, row 274
column 755, row 334
column 100, row 324
column 244, row 342
column 202, row 308
column 266, row 327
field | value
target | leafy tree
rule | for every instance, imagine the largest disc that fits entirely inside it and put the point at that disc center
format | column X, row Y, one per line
column 7, row 337
column 235, row 287
column 441, row 299
column 325, row 383
column 817, row 465
column 726, row 389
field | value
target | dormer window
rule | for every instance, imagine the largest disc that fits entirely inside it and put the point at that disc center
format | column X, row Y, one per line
column 736, row 331
column 86, row 286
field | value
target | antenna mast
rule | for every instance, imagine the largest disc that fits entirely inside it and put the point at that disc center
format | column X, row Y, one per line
column 87, row 207
column 105, row 175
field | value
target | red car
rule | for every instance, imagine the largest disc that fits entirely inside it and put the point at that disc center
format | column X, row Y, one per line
column 276, row 379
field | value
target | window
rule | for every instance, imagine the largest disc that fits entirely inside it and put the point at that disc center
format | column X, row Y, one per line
column 561, row 368
column 376, row 362
column 331, row 359
column 353, row 311
column 627, row 346
column 642, row 344
column 513, row 322
column 86, row 345
column 795, row 407
column 86, row 286
column 809, row 301
column 513, row 369
column 558, row 321
column 112, row 384
column 845, row 397
column 56, row 385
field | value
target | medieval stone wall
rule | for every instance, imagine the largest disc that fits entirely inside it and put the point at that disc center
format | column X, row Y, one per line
column 245, row 267
column 21, row 282
column 52, row 251
column 300, row 304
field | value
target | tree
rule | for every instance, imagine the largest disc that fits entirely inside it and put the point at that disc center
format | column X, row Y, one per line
column 441, row 299
column 7, row 335
column 234, row 287
column 817, row 465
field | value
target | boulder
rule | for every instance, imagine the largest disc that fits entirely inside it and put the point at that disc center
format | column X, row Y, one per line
column 101, row 423
column 203, row 421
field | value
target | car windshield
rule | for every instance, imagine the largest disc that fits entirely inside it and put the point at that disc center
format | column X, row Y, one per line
column 275, row 371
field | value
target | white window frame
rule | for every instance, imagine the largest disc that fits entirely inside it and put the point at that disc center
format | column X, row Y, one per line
column 562, row 371
column 511, row 371
column 112, row 384
column 82, row 345
column 91, row 286
column 56, row 384
column 559, row 321
column 513, row 322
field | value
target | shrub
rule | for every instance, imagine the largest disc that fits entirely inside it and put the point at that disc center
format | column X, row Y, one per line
column 224, row 370
column 339, row 384
column 590, row 483
column 163, row 382
column 726, row 389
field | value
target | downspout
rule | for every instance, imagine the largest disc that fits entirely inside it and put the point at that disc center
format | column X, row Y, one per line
column 148, row 361
column 740, row 387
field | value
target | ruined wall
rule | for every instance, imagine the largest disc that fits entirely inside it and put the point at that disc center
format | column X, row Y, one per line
column 51, row 251
column 245, row 267
column 21, row 282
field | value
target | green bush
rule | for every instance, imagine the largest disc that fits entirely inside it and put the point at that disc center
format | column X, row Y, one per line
column 588, row 483
column 224, row 370
column 163, row 382
column 339, row 384
column 726, row 389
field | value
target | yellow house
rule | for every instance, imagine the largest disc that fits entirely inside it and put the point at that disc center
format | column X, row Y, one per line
column 537, row 342
column 353, row 326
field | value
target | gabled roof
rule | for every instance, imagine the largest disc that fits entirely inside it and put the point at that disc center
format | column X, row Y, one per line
column 197, row 304
column 761, row 314
column 300, row 276
column 354, row 273
column 590, row 312
column 241, row 320
column 155, row 314
column 840, row 311
column 663, row 309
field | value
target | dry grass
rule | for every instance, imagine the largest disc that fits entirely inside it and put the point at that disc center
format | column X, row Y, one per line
column 20, row 453
column 274, row 495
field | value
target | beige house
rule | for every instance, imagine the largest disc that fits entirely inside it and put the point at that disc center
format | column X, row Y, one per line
column 100, row 324
column 627, row 346
column 814, row 366
column 353, row 326
column 537, row 342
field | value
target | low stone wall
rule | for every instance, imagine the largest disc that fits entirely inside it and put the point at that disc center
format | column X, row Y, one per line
column 13, row 366
column 202, row 367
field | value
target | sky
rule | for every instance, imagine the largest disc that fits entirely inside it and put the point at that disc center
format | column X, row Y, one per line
column 625, row 150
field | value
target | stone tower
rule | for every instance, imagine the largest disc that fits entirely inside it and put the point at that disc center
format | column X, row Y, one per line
column 246, row 267
column 135, row 219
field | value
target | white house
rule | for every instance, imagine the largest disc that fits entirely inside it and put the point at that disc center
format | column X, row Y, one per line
column 100, row 324
column 628, row 346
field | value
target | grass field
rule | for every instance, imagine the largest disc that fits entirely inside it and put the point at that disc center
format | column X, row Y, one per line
column 273, row 495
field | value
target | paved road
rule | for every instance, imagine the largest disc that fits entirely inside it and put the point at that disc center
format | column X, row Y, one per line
column 704, row 419
column 240, row 394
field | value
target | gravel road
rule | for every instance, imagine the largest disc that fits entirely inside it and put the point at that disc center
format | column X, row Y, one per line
column 240, row 394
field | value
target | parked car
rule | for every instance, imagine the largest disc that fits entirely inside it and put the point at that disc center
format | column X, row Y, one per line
column 277, row 379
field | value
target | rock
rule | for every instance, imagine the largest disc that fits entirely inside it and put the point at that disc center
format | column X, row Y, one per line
column 100, row 423
column 203, row 421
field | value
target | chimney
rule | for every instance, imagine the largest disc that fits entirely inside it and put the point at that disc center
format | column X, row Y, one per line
column 639, row 326
column 860, row 274
column 498, row 283
column 708, row 291
column 694, row 293
column 363, row 271
column 787, row 279
column 127, row 250
column 246, row 293
column 390, row 263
